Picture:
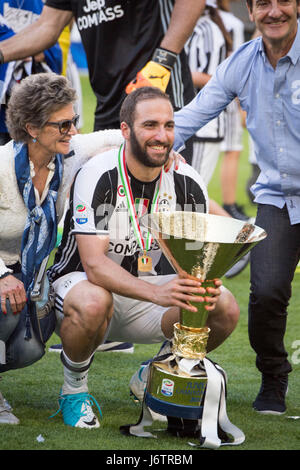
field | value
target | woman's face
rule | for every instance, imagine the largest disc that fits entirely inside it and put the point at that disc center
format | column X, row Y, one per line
column 56, row 134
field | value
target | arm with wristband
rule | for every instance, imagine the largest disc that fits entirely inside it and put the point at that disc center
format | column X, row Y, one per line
column 157, row 71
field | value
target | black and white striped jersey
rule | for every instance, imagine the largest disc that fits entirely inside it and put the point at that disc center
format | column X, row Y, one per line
column 206, row 49
column 98, row 206
column 233, row 129
column 119, row 37
column 235, row 27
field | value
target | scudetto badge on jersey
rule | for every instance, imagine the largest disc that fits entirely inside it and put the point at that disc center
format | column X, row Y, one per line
column 81, row 214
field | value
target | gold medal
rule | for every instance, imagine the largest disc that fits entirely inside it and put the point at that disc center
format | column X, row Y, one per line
column 144, row 263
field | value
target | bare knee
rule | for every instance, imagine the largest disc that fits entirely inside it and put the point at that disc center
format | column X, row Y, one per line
column 90, row 312
column 223, row 320
column 93, row 314
column 230, row 310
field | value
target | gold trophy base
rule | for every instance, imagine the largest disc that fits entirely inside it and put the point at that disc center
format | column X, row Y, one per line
column 171, row 392
column 190, row 342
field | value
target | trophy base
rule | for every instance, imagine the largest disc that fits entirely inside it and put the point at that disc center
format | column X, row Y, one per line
column 176, row 394
column 190, row 342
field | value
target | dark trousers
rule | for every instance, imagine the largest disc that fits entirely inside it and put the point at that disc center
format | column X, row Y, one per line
column 19, row 352
column 273, row 264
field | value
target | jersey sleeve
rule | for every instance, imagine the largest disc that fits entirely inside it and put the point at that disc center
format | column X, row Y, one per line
column 85, row 219
column 191, row 191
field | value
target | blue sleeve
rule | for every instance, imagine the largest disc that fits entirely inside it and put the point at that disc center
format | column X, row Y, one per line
column 5, row 31
column 53, row 58
column 211, row 100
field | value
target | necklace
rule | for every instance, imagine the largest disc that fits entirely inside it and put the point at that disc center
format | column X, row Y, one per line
column 144, row 261
column 34, row 171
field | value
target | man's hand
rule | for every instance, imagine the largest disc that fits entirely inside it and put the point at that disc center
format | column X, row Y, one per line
column 156, row 72
column 13, row 290
column 213, row 295
column 178, row 292
column 152, row 74
column 39, row 57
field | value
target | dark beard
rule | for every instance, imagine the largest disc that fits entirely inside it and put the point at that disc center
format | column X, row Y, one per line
column 141, row 154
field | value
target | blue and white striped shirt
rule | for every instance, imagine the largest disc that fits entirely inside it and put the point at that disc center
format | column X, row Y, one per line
column 271, row 98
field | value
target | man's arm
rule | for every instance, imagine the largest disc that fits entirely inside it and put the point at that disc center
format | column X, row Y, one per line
column 211, row 100
column 184, row 17
column 105, row 273
column 200, row 79
column 157, row 71
column 37, row 37
column 216, row 209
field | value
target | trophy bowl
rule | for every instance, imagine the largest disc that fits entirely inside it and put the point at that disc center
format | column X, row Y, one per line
column 209, row 245
column 203, row 247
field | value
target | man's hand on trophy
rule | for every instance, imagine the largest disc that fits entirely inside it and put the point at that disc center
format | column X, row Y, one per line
column 213, row 295
column 180, row 291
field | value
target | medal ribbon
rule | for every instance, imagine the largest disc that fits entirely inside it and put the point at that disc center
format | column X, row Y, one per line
column 130, row 202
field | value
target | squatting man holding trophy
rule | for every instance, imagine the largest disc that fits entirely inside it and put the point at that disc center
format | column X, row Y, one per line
column 106, row 285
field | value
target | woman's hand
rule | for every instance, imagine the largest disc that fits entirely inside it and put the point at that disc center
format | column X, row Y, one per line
column 176, row 158
column 13, row 290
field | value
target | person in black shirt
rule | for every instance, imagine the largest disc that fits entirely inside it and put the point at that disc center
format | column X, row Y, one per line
column 120, row 37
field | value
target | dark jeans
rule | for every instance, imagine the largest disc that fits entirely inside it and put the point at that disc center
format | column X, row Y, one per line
column 273, row 264
column 8, row 322
column 19, row 352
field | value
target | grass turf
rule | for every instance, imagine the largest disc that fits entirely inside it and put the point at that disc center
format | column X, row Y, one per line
column 33, row 391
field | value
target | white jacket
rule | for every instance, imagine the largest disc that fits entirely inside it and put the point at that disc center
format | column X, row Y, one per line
column 13, row 212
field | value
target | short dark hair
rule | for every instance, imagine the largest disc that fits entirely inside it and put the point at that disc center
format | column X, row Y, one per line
column 127, row 111
column 250, row 4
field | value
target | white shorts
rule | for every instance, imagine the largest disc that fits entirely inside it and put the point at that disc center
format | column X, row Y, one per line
column 233, row 139
column 133, row 321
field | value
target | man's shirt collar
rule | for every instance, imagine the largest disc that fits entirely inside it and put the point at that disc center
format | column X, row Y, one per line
column 293, row 53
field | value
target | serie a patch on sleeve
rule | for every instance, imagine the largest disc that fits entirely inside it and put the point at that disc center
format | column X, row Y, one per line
column 81, row 214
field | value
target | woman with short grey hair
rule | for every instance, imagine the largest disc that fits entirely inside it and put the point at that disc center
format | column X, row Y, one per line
column 35, row 101
column 37, row 168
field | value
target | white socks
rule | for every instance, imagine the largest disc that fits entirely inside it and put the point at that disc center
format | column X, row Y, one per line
column 75, row 375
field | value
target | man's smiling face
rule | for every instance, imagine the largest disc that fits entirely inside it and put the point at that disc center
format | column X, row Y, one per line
column 275, row 19
column 152, row 134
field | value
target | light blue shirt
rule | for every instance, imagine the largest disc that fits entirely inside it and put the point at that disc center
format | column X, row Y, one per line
column 271, row 98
